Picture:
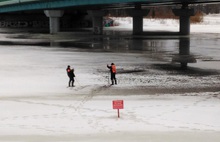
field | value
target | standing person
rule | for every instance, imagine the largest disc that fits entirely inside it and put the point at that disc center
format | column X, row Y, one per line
column 113, row 73
column 71, row 75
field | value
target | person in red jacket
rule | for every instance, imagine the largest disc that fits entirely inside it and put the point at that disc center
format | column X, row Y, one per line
column 113, row 73
column 71, row 75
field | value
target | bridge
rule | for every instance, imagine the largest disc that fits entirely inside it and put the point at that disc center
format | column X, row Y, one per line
column 54, row 9
column 22, row 5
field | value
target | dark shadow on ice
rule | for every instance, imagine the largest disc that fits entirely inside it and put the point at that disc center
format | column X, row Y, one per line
column 191, row 71
column 161, row 33
column 122, row 71
column 25, row 43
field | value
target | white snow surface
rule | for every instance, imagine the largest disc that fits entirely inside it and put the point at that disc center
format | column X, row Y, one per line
column 37, row 106
column 210, row 24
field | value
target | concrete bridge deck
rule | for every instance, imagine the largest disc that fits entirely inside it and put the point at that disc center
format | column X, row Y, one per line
column 54, row 10
column 23, row 5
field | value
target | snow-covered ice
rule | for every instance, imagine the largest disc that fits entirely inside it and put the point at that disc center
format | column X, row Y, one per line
column 159, row 104
column 210, row 24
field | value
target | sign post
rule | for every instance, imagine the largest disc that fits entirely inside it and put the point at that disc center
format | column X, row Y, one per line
column 118, row 104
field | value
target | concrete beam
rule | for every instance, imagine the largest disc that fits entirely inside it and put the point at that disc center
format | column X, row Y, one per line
column 54, row 16
column 184, row 15
column 137, row 15
column 97, row 21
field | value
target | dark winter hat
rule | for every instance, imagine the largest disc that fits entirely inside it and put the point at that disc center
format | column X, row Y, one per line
column 112, row 64
column 68, row 66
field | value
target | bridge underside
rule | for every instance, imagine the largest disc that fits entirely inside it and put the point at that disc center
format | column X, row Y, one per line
column 95, row 10
column 25, row 5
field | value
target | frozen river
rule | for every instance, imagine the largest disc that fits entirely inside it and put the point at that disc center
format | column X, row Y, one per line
column 162, row 101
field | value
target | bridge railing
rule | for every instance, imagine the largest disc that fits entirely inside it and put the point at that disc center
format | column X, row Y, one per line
column 11, row 2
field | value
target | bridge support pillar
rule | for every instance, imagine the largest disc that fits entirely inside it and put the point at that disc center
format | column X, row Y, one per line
column 184, row 56
column 138, row 15
column 184, row 15
column 97, row 21
column 54, row 16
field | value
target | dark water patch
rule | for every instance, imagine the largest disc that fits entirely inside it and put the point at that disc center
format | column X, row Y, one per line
column 7, row 43
column 122, row 71
column 210, row 60
column 155, row 90
column 191, row 71
column 20, row 36
column 25, row 43
column 154, row 37
column 85, row 45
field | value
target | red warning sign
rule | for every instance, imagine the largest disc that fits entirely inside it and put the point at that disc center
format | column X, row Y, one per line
column 118, row 104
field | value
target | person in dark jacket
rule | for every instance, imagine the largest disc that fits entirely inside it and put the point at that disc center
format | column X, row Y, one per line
column 71, row 75
column 113, row 73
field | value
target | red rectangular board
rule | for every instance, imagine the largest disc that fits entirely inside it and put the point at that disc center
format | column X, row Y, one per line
column 118, row 104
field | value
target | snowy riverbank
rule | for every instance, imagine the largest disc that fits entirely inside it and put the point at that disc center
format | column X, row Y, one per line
column 161, row 102
column 210, row 24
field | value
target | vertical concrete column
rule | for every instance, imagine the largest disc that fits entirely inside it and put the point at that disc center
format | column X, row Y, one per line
column 184, row 52
column 136, row 44
column 97, row 21
column 184, row 15
column 184, row 56
column 54, row 16
column 184, row 46
column 138, row 15
column 137, row 23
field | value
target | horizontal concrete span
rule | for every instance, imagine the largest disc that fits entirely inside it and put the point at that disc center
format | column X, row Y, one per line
column 23, row 5
column 54, row 10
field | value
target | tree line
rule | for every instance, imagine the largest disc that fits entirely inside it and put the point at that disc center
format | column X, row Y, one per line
column 164, row 12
